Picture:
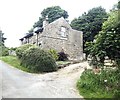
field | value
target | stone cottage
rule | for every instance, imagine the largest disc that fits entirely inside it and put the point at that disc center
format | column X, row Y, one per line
column 57, row 35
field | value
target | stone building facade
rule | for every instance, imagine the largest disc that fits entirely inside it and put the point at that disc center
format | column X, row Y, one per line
column 57, row 35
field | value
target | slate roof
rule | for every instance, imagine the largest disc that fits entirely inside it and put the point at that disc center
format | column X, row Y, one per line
column 28, row 35
column 31, row 34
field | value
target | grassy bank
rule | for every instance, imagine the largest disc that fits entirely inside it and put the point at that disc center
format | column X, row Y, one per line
column 103, row 85
column 13, row 61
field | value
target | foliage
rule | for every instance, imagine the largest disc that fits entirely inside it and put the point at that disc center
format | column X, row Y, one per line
column 13, row 48
column 107, row 42
column 90, row 23
column 62, row 56
column 20, row 50
column 39, row 23
column 3, row 49
column 14, row 61
column 53, row 53
column 2, row 39
column 118, row 5
column 38, row 60
column 52, row 13
column 103, row 85
column 31, row 30
column 63, row 62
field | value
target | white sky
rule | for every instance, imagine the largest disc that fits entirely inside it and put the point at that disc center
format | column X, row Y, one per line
column 18, row 16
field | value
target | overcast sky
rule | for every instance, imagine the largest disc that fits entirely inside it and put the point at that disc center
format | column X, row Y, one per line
column 18, row 16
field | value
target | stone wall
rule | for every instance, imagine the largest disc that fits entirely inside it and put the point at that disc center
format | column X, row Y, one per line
column 72, row 43
column 53, row 37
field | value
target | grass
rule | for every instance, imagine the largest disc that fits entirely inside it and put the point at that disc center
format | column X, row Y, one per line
column 13, row 61
column 92, row 85
column 62, row 62
column 94, row 94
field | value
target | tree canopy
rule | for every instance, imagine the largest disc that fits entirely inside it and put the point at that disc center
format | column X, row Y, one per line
column 107, row 42
column 52, row 13
column 2, row 38
column 3, row 48
column 90, row 23
column 39, row 23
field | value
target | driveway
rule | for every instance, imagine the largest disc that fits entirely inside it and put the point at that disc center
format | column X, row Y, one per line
column 60, row 84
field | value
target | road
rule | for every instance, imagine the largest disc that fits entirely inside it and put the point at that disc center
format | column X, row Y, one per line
column 60, row 84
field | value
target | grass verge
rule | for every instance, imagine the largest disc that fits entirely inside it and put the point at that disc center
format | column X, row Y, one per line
column 13, row 61
column 63, row 62
column 93, row 86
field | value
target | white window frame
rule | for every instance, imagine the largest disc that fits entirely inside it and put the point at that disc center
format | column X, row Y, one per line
column 63, row 31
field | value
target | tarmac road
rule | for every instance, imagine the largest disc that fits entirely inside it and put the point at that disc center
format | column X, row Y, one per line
column 60, row 84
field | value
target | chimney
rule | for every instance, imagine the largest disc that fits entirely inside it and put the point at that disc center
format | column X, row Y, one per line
column 45, row 22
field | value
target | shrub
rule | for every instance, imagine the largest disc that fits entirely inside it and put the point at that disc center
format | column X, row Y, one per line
column 3, row 51
column 53, row 53
column 62, row 56
column 38, row 60
column 20, row 50
column 13, row 49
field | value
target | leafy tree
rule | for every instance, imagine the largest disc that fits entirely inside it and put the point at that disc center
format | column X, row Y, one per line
column 39, row 23
column 3, row 49
column 54, row 13
column 108, row 40
column 118, row 6
column 2, row 39
column 90, row 23
column 31, row 30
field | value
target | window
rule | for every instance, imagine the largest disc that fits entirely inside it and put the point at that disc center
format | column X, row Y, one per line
column 63, row 31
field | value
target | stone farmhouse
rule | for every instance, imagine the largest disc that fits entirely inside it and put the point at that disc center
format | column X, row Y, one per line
column 57, row 35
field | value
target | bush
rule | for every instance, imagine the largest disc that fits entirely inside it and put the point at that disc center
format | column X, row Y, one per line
column 3, row 51
column 20, row 50
column 96, row 85
column 38, row 60
column 62, row 56
column 53, row 53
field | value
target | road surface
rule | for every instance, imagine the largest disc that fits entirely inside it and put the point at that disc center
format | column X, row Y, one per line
column 60, row 84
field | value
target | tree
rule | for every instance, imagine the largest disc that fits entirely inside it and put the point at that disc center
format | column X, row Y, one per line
column 2, row 39
column 52, row 13
column 108, row 40
column 90, row 23
column 118, row 6
column 39, row 23
column 3, row 49
column 31, row 30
